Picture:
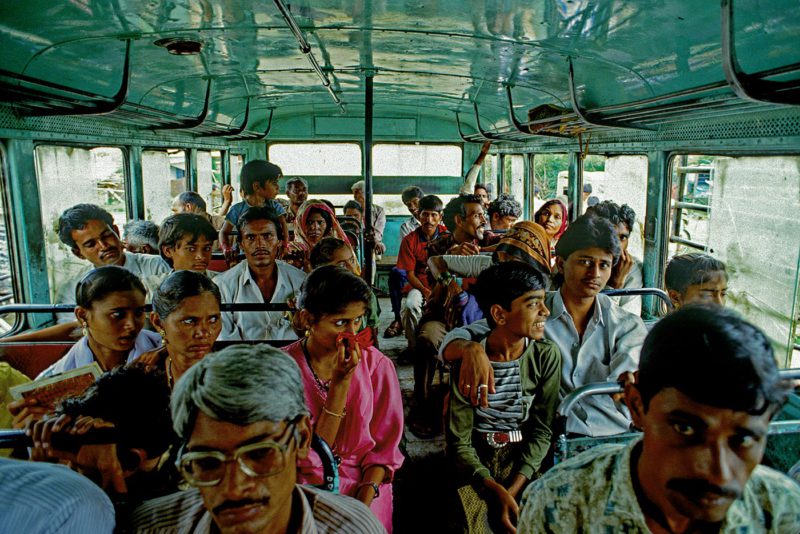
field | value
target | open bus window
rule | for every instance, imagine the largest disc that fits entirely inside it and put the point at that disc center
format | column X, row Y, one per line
column 209, row 178
column 164, row 177
column 489, row 172
column 72, row 175
column 743, row 211
column 551, row 177
column 514, row 178
column 7, row 286
column 236, row 162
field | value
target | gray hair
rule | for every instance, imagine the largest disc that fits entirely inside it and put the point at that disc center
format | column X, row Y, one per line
column 358, row 185
column 296, row 179
column 241, row 384
column 140, row 233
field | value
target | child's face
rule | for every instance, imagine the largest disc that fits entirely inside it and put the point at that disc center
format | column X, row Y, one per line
column 712, row 291
column 527, row 315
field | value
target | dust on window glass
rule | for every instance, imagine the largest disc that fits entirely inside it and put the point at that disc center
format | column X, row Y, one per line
column 164, row 177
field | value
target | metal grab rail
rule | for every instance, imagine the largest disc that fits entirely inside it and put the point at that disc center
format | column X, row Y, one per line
column 640, row 291
column 330, row 467
column 66, row 308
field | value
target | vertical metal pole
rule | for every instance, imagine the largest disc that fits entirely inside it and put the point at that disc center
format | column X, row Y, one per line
column 368, row 250
column 575, row 183
column 135, row 184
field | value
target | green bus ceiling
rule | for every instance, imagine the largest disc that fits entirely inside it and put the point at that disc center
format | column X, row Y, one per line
column 429, row 58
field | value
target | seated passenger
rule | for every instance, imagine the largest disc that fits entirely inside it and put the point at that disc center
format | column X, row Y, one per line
column 192, row 202
column 696, row 278
column 259, row 182
column 554, row 218
column 351, row 390
column 375, row 239
column 241, row 418
column 186, row 314
column 134, row 401
column 261, row 278
column 482, row 191
column 503, row 212
column 333, row 251
column 297, row 191
column 315, row 220
column 500, row 448
column 598, row 340
column 411, row 196
column 140, row 237
column 466, row 221
column 627, row 273
column 186, row 241
column 353, row 209
column 110, row 309
column 706, row 389
column 39, row 498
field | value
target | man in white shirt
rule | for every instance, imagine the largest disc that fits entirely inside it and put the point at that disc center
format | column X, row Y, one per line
column 262, row 278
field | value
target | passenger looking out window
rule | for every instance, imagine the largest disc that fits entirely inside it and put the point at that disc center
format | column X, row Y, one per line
column 140, row 237
column 411, row 197
column 696, row 278
column 503, row 212
column 261, row 278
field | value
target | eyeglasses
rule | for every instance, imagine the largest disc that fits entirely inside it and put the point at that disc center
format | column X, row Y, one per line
column 264, row 459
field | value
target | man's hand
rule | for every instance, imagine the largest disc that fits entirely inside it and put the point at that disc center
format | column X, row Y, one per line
column 507, row 505
column 25, row 412
column 426, row 293
column 466, row 248
column 621, row 270
column 476, row 377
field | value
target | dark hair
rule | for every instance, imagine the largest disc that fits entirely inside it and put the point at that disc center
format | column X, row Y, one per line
column 258, row 171
column 193, row 198
column 139, row 232
column 503, row 283
column 145, row 424
column 589, row 231
column 323, row 251
column 505, row 206
column 430, row 203
column 456, row 207
column 411, row 192
column 587, row 187
column 353, row 205
column 481, row 186
column 330, row 288
column 325, row 215
column 181, row 285
column 714, row 357
column 614, row 212
column 691, row 269
column 176, row 227
column 77, row 217
column 562, row 207
column 102, row 281
column 260, row 213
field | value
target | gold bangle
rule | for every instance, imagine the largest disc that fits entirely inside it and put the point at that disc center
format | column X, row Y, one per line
column 334, row 414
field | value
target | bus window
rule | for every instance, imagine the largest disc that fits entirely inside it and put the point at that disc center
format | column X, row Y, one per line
column 743, row 211
column 514, row 177
column 209, row 178
column 7, row 286
column 72, row 175
column 237, row 162
column 164, row 177
column 551, row 176
column 489, row 171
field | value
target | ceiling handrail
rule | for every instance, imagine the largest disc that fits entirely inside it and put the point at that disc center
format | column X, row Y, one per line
column 193, row 122
column 233, row 132
column 257, row 137
column 521, row 127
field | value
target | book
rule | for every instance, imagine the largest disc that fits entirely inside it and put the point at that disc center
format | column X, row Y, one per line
column 52, row 390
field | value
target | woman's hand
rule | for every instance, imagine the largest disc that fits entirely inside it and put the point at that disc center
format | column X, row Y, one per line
column 506, row 505
column 347, row 359
column 25, row 412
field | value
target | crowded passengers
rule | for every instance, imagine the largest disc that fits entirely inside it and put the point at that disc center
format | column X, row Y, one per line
column 211, row 427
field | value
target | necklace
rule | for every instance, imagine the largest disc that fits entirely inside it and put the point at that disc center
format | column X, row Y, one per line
column 322, row 385
column 169, row 371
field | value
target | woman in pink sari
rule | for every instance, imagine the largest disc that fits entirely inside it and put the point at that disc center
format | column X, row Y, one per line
column 315, row 220
column 351, row 390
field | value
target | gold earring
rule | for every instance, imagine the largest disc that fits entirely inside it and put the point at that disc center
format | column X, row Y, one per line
column 163, row 336
column 84, row 329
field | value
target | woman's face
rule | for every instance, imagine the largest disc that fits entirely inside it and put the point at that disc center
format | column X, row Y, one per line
column 550, row 218
column 350, row 319
column 343, row 257
column 192, row 328
column 315, row 227
column 114, row 322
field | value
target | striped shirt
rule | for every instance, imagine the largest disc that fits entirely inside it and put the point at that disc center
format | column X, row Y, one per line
column 504, row 412
column 322, row 512
column 43, row 498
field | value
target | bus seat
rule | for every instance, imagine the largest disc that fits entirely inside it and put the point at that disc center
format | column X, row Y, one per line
column 218, row 265
column 391, row 234
column 31, row 358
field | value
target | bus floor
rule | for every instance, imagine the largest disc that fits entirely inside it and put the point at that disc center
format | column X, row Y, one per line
column 421, row 485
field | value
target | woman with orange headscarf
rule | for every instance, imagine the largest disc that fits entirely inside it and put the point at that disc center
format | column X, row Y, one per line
column 554, row 218
column 315, row 220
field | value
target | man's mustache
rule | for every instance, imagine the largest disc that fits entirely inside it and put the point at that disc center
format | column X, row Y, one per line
column 696, row 488
column 227, row 505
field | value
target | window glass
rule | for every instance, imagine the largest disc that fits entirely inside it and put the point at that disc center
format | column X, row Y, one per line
column 237, row 162
column 164, row 177
column 551, row 176
column 73, row 175
column 9, row 320
column 514, row 177
column 316, row 159
column 209, row 178
column 416, row 160
column 743, row 210
column 489, row 171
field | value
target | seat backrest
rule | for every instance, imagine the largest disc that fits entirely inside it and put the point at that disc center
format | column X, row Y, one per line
column 31, row 358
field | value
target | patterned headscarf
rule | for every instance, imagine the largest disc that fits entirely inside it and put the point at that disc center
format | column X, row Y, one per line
column 529, row 242
column 334, row 230
column 564, row 216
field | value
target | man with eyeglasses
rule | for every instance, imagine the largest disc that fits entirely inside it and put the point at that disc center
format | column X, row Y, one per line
column 241, row 417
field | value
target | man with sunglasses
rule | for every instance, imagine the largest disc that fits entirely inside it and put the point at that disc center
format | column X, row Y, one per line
column 241, row 418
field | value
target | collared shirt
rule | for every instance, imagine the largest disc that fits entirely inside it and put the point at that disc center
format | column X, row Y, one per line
column 413, row 255
column 238, row 286
column 321, row 512
column 240, row 207
column 408, row 226
column 593, row 492
column 80, row 354
column 610, row 346
column 38, row 498
column 145, row 266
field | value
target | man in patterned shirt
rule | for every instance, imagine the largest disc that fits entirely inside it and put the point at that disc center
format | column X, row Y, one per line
column 705, row 392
